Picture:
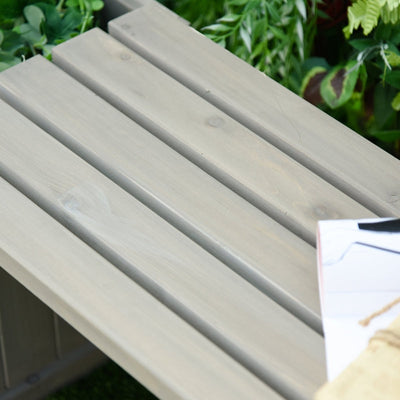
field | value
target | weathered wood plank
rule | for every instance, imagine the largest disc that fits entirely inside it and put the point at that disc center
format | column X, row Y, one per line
column 301, row 130
column 133, row 328
column 268, row 178
column 28, row 333
column 275, row 345
column 258, row 248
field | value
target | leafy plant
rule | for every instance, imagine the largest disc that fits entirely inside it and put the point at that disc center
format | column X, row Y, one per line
column 362, row 86
column 28, row 28
column 274, row 36
column 366, row 13
column 200, row 12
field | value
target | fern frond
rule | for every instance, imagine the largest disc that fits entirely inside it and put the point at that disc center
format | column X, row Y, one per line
column 395, row 15
column 370, row 20
column 391, row 4
column 386, row 14
column 366, row 13
column 356, row 12
column 390, row 15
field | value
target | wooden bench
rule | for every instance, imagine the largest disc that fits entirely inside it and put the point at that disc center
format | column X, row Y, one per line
column 163, row 201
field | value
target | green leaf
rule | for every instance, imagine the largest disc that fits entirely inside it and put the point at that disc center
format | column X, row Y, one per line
column 34, row 16
column 362, row 79
column 97, row 5
column 395, row 38
column 8, row 60
column 393, row 58
column 391, row 4
column 370, row 21
column 12, row 41
column 274, row 13
column 278, row 33
column 362, row 44
column 228, row 18
column 30, row 35
column 72, row 3
column 53, row 22
column 1, row 37
column 311, row 84
column 258, row 49
column 222, row 43
column 71, row 20
column 383, row 96
column 365, row 13
column 237, row 2
column 244, row 34
column 388, row 136
column 6, row 65
column 396, row 102
column 356, row 12
column 393, row 79
column 390, row 12
column 259, row 28
column 252, row 5
column 217, row 28
column 315, row 62
column 300, row 38
column 338, row 86
column 302, row 8
column 47, row 49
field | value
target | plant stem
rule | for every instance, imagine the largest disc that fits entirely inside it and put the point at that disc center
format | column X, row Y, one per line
column 60, row 5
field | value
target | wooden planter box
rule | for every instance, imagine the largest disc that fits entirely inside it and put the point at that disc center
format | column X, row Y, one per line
column 39, row 351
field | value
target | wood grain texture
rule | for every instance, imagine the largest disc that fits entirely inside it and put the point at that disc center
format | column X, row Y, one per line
column 143, row 336
column 282, row 188
column 27, row 330
column 251, row 243
column 301, row 130
column 275, row 345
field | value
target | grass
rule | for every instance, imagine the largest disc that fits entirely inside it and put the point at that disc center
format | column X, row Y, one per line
column 109, row 382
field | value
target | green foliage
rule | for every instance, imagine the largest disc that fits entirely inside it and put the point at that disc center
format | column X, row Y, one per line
column 28, row 28
column 342, row 55
column 274, row 36
column 366, row 13
column 338, row 85
column 362, row 88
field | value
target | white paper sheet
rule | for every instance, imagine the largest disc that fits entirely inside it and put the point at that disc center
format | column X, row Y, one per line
column 359, row 273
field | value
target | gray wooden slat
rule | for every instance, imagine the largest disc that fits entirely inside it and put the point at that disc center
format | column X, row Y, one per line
column 269, row 256
column 324, row 145
column 27, row 330
column 274, row 344
column 131, row 326
column 236, row 156
column 268, row 178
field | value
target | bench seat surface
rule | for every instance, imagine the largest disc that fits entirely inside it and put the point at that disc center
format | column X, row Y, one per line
column 177, row 219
